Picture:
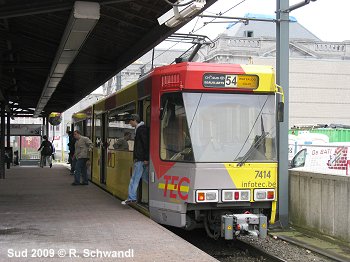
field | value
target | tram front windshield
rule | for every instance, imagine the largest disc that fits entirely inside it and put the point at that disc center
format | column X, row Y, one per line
column 213, row 127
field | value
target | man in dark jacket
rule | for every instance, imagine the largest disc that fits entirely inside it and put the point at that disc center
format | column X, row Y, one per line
column 46, row 152
column 83, row 147
column 71, row 146
column 140, row 156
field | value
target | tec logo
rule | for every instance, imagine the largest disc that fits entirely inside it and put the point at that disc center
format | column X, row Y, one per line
column 175, row 187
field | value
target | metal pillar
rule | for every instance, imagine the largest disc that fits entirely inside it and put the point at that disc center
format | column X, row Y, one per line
column 2, row 142
column 8, row 135
column 282, row 79
column 47, row 127
column 62, row 134
column 43, row 130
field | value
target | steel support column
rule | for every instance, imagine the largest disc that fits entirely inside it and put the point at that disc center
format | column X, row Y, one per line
column 282, row 79
column 2, row 141
column 43, row 130
column 47, row 126
column 8, row 135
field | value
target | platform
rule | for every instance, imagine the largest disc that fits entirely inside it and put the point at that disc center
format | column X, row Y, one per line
column 40, row 210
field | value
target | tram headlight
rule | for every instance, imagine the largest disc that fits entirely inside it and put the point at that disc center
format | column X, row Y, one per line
column 235, row 195
column 203, row 196
column 261, row 195
column 245, row 195
column 264, row 194
column 211, row 195
column 228, row 196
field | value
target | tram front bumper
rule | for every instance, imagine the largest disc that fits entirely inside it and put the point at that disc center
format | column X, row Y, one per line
column 233, row 225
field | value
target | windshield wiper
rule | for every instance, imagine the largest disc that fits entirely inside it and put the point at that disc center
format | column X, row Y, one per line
column 254, row 148
column 195, row 112
column 262, row 128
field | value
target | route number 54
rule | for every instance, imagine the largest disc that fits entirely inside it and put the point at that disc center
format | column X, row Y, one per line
column 231, row 81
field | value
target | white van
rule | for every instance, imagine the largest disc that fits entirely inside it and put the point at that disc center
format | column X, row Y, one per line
column 331, row 158
column 297, row 143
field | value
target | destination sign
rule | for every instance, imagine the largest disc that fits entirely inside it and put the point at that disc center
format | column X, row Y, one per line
column 214, row 80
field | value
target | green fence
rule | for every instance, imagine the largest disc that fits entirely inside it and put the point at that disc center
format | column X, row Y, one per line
column 334, row 134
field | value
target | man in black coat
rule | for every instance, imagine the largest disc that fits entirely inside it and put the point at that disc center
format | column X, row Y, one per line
column 46, row 149
column 140, row 156
column 71, row 146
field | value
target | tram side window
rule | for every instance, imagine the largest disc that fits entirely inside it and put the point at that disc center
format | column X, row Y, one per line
column 175, row 138
column 88, row 127
column 120, row 135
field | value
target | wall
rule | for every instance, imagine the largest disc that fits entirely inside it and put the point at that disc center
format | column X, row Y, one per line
column 319, row 91
column 320, row 203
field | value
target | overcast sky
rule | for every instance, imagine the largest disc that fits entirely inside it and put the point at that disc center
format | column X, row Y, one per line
column 327, row 19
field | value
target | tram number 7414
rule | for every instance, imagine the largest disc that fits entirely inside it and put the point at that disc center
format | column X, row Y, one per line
column 262, row 174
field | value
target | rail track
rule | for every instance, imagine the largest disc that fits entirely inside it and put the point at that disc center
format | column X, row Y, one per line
column 258, row 252
column 225, row 251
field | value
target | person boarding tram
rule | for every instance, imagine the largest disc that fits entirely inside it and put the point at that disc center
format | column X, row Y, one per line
column 140, row 156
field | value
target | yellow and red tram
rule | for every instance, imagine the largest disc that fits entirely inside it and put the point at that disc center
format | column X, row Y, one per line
column 213, row 160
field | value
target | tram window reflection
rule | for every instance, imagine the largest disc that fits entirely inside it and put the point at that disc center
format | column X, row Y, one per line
column 120, row 135
column 175, row 139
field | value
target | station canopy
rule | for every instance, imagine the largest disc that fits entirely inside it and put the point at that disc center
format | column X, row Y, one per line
column 54, row 53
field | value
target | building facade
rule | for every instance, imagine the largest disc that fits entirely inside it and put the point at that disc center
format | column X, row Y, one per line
column 319, row 71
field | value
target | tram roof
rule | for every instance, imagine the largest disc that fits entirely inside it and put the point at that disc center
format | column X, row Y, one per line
column 31, row 33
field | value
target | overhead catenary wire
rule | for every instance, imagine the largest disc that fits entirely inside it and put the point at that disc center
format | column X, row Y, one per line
column 220, row 14
column 195, row 24
column 193, row 30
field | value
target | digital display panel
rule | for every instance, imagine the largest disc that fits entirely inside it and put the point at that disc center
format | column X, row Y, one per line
column 215, row 80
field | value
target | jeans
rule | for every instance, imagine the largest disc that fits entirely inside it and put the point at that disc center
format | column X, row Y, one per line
column 72, row 165
column 45, row 159
column 80, row 167
column 140, row 170
column 70, row 158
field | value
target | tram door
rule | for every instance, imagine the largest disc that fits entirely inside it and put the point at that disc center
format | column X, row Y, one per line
column 145, row 114
column 100, row 139
column 104, row 147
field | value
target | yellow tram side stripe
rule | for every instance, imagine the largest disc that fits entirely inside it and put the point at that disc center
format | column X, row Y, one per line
column 174, row 187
